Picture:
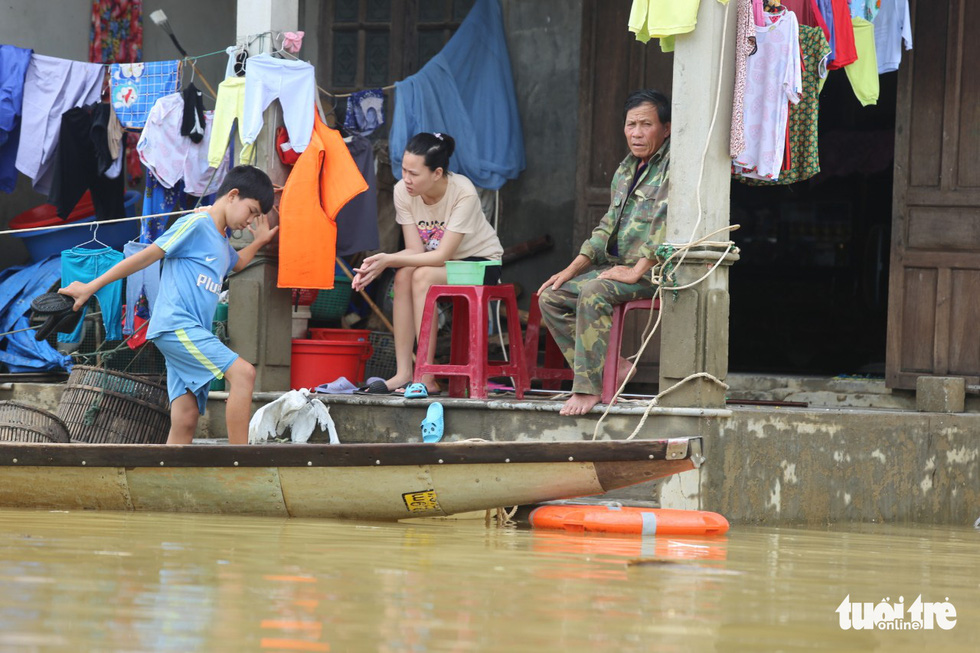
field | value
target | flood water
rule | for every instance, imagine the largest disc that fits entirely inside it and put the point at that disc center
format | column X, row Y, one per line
column 85, row 581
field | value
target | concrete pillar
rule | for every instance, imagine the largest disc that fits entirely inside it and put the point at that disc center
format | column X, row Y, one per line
column 695, row 321
column 259, row 318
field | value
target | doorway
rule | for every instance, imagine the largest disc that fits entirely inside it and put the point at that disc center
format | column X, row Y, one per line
column 809, row 294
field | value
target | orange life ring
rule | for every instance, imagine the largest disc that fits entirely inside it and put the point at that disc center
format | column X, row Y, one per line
column 625, row 519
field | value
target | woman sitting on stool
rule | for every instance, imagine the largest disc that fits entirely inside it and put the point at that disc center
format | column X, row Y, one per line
column 441, row 220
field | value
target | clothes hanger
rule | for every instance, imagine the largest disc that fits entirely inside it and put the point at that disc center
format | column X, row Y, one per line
column 281, row 50
column 93, row 239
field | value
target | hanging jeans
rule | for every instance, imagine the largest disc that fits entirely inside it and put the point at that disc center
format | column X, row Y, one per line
column 145, row 281
column 82, row 264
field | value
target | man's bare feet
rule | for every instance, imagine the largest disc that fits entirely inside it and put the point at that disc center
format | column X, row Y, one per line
column 579, row 404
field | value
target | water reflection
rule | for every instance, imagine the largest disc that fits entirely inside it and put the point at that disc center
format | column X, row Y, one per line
column 144, row 582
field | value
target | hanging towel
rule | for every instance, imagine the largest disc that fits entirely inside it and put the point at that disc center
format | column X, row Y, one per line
column 467, row 91
column 323, row 180
column 51, row 87
column 137, row 86
column 13, row 69
column 365, row 112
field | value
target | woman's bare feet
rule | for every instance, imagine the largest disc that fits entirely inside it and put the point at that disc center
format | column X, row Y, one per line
column 397, row 382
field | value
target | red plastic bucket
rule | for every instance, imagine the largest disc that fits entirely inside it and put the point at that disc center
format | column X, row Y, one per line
column 341, row 335
column 320, row 361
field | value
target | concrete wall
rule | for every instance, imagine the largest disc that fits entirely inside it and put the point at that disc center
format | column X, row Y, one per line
column 543, row 37
column 819, row 467
column 201, row 27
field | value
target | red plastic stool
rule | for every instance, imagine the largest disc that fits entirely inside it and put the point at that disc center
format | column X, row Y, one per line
column 468, row 365
column 555, row 368
column 611, row 370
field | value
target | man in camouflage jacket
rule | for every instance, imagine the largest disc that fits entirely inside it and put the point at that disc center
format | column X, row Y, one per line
column 612, row 266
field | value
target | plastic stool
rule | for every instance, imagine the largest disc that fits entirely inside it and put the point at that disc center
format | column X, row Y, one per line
column 555, row 369
column 468, row 365
column 611, row 370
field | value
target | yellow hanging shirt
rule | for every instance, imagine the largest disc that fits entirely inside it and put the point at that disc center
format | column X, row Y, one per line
column 663, row 18
column 863, row 73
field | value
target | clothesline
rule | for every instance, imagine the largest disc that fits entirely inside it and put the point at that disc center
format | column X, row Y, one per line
column 96, row 223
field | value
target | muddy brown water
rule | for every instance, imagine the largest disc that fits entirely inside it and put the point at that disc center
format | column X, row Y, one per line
column 81, row 581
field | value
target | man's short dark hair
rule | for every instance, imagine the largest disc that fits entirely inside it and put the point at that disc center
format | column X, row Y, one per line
column 251, row 183
column 649, row 96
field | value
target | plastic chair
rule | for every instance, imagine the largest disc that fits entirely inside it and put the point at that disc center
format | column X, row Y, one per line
column 554, row 370
column 611, row 370
column 468, row 367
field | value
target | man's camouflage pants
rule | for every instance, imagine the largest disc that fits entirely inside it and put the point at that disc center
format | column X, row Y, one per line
column 579, row 317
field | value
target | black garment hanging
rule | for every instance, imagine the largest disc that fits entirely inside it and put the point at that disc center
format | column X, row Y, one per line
column 76, row 170
column 192, row 122
column 101, row 113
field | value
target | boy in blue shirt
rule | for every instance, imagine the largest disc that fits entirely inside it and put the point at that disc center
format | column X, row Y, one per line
column 196, row 258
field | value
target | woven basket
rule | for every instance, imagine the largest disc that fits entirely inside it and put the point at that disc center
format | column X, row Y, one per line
column 109, row 407
column 22, row 423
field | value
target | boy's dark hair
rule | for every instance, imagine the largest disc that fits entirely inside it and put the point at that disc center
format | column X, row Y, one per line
column 251, row 183
column 436, row 148
column 649, row 96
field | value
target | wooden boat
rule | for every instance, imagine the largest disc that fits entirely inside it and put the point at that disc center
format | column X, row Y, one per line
column 358, row 481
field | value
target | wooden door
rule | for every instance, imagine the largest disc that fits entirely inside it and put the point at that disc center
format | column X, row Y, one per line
column 934, row 284
column 613, row 64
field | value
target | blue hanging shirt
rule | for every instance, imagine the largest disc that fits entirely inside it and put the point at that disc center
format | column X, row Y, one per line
column 13, row 69
column 466, row 91
column 197, row 257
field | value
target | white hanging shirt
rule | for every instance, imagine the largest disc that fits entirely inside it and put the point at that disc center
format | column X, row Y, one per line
column 773, row 79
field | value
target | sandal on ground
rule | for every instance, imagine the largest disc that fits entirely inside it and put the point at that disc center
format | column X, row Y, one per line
column 416, row 391
column 433, row 425
column 378, row 387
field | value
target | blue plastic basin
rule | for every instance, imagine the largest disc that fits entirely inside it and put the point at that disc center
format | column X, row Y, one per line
column 42, row 244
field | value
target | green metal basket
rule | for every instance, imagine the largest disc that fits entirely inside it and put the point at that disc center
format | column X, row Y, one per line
column 332, row 304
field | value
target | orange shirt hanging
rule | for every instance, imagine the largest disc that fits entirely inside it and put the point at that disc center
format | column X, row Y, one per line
column 323, row 180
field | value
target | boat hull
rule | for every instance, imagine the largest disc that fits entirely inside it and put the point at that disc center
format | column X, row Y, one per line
column 372, row 482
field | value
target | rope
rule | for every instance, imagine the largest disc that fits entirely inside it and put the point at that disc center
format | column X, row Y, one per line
column 666, row 271
column 94, row 223
column 501, row 516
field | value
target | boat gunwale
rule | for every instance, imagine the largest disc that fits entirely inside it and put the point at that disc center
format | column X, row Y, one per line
column 20, row 454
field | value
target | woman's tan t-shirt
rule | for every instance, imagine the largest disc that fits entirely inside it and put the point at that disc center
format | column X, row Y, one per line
column 458, row 210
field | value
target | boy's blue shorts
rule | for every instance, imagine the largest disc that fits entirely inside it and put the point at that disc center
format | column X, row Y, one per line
column 194, row 358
